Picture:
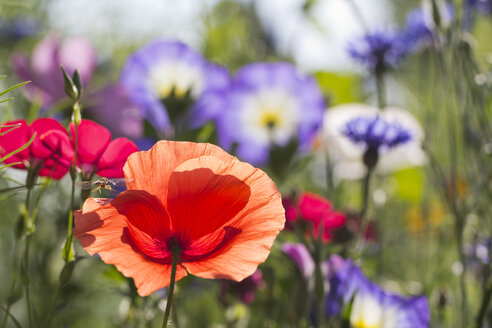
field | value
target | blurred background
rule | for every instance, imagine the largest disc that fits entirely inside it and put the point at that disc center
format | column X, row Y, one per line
column 415, row 251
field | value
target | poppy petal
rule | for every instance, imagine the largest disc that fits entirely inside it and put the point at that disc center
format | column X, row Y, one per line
column 151, row 170
column 100, row 229
column 92, row 141
column 258, row 223
column 111, row 163
column 202, row 196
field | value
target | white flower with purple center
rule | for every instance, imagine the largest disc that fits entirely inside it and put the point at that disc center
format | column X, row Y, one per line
column 350, row 130
column 372, row 306
column 165, row 77
column 270, row 105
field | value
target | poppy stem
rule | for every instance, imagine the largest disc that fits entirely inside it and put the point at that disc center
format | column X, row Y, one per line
column 171, row 287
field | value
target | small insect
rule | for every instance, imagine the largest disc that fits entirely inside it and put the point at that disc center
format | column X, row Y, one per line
column 104, row 183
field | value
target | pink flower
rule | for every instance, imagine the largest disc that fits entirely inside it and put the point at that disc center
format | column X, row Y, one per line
column 50, row 153
column 43, row 68
column 317, row 211
column 96, row 153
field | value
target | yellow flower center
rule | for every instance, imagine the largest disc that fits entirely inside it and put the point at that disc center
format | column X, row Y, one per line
column 270, row 118
column 360, row 324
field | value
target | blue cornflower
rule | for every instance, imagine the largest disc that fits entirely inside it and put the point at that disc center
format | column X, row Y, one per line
column 376, row 133
column 378, row 50
column 371, row 305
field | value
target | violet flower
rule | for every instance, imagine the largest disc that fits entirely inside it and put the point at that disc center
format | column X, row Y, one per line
column 379, row 50
column 269, row 105
column 419, row 30
column 172, row 83
column 372, row 306
column 111, row 107
column 43, row 67
column 301, row 257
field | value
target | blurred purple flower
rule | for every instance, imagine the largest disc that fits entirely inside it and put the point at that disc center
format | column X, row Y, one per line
column 18, row 28
column 112, row 108
column 270, row 104
column 376, row 133
column 43, row 68
column 485, row 6
column 419, row 29
column 166, row 71
column 372, row 306
column 301, row 257
column 246, row 289
column 379, row 50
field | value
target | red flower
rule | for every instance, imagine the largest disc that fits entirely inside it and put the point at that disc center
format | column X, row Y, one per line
column 317, row 211
column 50, row 153
column 96, row 153
column 221, row 214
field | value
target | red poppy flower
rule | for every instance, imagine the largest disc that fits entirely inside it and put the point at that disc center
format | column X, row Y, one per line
column 318, row 211
column 221, row 214
column 96, row 153
column 50, row 152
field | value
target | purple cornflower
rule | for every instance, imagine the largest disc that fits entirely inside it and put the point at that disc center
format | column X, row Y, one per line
column 43, row 68
column 270, row 105
column 171, row 83
column 379, row 50
column 372, row 306
column 419, row 30
column 376, row 133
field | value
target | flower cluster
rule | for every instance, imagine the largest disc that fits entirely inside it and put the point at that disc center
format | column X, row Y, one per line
column 51, row 153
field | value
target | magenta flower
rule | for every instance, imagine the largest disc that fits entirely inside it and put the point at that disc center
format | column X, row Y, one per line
column 50, row 153
column 96, row 153
column 317, row 211
column 43, row 67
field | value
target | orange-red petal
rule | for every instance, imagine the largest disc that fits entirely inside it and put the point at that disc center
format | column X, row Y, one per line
column 101, row 228
column 252, row 230
column 151, row 170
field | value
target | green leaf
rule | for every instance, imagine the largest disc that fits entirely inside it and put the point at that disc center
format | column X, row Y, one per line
column 13, row 87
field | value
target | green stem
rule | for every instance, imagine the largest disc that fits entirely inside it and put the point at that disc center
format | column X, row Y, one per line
column 363, row 223
column 14, row 283
column 25, row 261
column 380, row 90
column 487, row 295
column 171, row 287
